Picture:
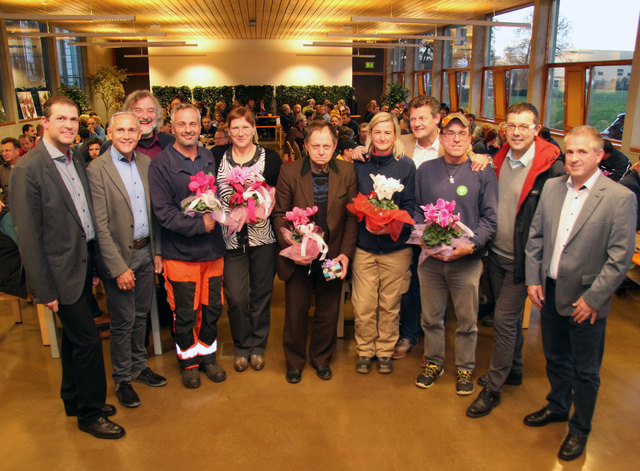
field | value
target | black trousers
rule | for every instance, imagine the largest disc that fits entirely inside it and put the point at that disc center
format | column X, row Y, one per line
column 298, row 291
column 84, row 385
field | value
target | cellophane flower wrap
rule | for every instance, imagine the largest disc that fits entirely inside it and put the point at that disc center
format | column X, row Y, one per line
column 378, row 209
column 442, row 231
column 204, row 200
column 252, row 200
column 305, row 238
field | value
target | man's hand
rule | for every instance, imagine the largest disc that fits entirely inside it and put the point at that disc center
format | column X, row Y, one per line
column 209, row 222
column 479, row 162
column 305, row 262
column 458, row 253
column 583, row 311
column 383, row 231
column 126, row 281
column 535, row 295
column 157, row 264
column 344, row 261
column 359, row 153
column 53, row 305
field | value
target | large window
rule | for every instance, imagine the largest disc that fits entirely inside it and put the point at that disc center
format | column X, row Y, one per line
column 27, row 63
column 456, row 67
column 588, row 74
column 457, row 54
column 69, row 62
column 423, row 67
column 507, row 57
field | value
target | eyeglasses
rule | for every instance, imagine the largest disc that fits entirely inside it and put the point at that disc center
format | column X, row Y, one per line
column 520, row 127
column 452, row 134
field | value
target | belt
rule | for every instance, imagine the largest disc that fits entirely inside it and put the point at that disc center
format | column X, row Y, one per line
column 140, row 243
column 551, row 280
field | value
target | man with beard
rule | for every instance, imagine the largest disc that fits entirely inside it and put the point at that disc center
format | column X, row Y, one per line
column 147, row 108
column 192, row 249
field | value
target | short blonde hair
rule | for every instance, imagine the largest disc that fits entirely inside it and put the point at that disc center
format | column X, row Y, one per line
column 383, row 117
column 597, row 143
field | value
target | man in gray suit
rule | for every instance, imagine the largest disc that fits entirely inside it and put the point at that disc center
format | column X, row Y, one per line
column 577, row 255
column 123, row 220
column 53, row 218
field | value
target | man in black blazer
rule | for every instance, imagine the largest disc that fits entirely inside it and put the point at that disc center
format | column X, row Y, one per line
column 53, row 218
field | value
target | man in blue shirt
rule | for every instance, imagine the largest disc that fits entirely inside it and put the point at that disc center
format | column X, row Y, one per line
column 123, row 221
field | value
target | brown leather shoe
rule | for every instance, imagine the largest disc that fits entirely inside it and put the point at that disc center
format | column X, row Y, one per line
column 191, row 378
column 214, row 372
column 403, row 347
column 257, row 362
column 240, row 364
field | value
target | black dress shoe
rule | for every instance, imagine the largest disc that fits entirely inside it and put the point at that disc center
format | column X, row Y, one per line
column 126, row 395
column 103, row 428
column 572, row 447
column 324, row 372
column 483, row 404
column 107, row 411
column 543, row 417
column 150, row 378
column 294, row 376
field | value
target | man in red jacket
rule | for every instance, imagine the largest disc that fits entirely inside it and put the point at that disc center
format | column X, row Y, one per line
column 523, row 165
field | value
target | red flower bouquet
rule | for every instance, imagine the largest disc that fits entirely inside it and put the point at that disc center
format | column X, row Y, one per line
column 378, row 209
column 252, row 201
column 305, row 238
column 205, row 199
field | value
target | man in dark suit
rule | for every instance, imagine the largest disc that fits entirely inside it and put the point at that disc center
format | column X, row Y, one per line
column 53, row 217
column 580, row 247
column 317, row 180
column 123, row 220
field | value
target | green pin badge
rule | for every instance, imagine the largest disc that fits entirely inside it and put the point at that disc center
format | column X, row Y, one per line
column 461, row 190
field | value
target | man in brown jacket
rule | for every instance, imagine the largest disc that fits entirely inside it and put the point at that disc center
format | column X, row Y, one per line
column 330, row 184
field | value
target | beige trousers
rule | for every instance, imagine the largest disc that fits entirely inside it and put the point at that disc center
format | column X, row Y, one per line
column 379, row 281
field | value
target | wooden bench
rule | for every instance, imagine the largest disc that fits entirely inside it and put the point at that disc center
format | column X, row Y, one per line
column 16, row 310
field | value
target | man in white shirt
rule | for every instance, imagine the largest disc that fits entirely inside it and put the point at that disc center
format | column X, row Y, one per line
column 577, row 255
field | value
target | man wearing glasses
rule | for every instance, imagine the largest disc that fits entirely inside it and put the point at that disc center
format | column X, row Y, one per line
column 523, row 165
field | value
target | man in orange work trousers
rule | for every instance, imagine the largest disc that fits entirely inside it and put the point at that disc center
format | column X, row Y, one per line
column 192, row 249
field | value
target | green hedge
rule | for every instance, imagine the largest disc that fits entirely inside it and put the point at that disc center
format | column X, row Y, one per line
column 212, row 95
column 243, row 93
column 165, row 94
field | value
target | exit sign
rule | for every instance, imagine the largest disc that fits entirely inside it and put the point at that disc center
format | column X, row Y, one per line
column 369, row 65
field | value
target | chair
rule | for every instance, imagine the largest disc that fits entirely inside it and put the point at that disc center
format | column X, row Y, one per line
column 296, row 151
column 15, row 306
column 288, row 152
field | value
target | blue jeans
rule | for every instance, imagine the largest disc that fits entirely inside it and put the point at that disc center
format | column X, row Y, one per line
column 6, row 227
column 574, row 355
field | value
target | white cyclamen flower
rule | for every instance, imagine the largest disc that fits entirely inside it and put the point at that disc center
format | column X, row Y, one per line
column 385, row 187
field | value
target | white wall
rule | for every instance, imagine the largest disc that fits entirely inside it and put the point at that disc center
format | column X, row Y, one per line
column 249, row 62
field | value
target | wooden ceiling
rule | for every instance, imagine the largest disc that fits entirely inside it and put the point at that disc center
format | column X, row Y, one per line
column 276, row 19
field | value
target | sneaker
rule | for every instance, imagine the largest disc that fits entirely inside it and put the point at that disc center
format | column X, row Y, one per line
column 148, row 377
column 385, row 365
column 431, row 373
column 126, row 395
column 363, row 365
column 191, row 378
column 214, row 372
column 403, row 347
column 464, row 383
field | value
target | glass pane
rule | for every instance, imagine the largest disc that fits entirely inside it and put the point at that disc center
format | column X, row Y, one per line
column 518, row 85
column 457, row 54
column 488, row 104
column 427, row 80
column 554, row 106
column 424, row 57
column 400, row 58
column 463, row 79
column 69, row 62
column 445, row 88
column 510, row 46
column 608, row 100
column 26, row 56
column 575, row 26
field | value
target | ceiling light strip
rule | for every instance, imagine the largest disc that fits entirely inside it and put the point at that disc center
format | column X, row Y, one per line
column 397, row 36
column 361, row 45
column 363, row 56
column 132, row 56
column 74, row 34
column 28, row 16
column 436, row 21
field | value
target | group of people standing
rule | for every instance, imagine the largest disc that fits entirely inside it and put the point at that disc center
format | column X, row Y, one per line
column 122, row 219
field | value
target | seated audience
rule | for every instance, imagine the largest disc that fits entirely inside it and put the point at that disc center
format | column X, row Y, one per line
column 614, row 164
column 489, row 144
